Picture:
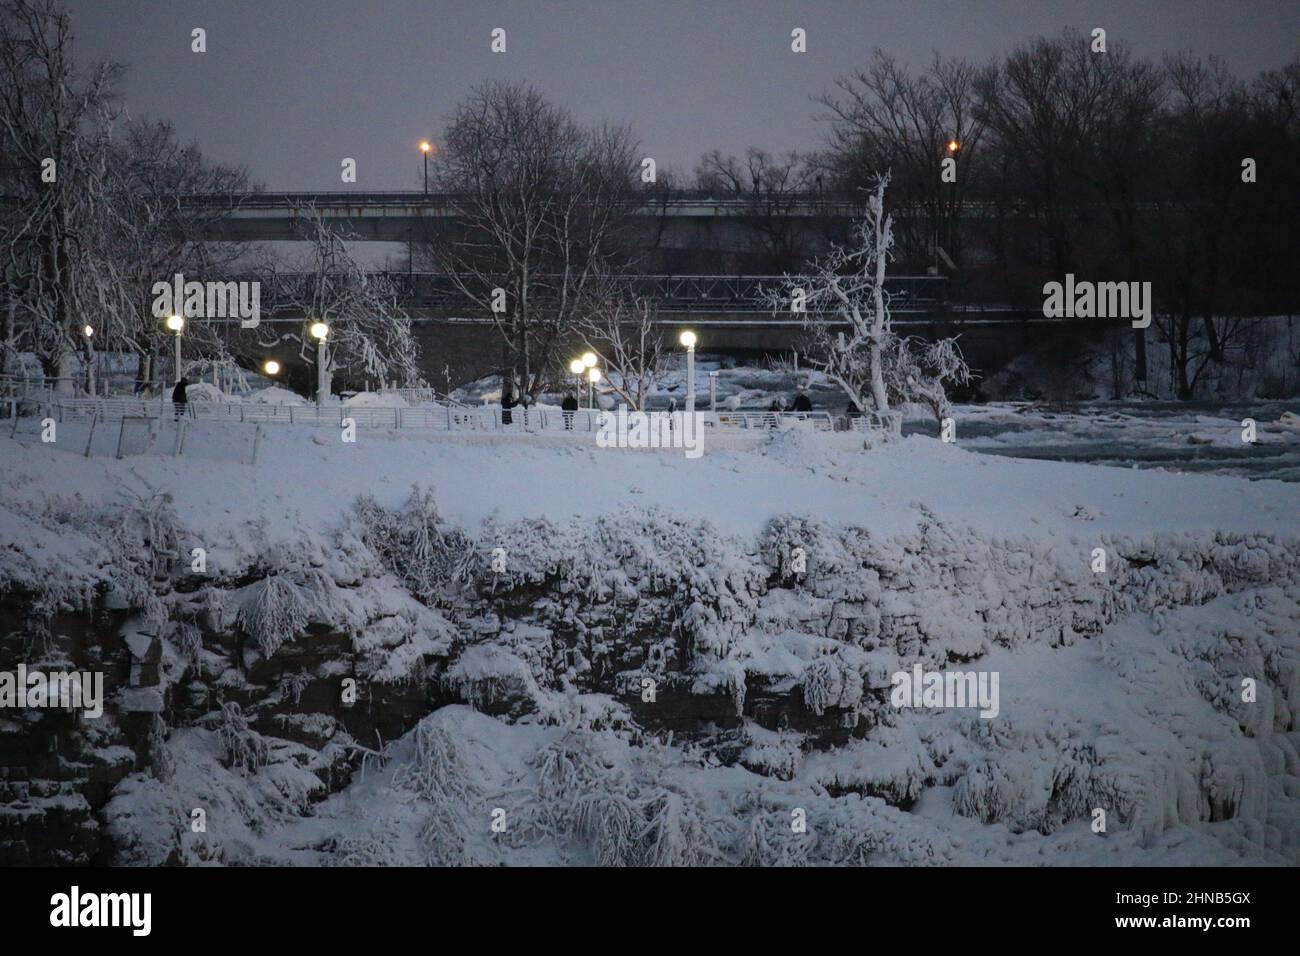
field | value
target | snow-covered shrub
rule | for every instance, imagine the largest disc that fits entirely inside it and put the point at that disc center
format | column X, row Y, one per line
column 828, row 682
column 379, row 845
column 675, row 834
column 189, row 642
column 242, row 747
column 439, row 776
column 431, row 560
column 769, row 840
column 612, row 823
column 161, row 763
column 273, row 612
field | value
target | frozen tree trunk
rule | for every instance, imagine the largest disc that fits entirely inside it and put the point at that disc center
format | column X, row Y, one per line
column 878, row 394
column 9, row 353
column 63, row 383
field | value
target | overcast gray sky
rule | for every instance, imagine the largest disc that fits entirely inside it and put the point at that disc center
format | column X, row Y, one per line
column 291, row 87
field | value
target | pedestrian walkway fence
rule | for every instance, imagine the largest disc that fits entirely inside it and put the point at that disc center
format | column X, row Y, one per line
column 429, row 417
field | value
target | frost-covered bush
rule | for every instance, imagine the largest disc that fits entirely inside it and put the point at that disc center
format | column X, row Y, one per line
column 626, row 819
column 241, row 746
column 769, row 840
column 439, row 775
column 273, row 612
column 161, row 763
column 430, row 559
column 827, row 682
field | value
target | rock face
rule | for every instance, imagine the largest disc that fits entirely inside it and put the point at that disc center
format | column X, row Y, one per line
column 289, row 680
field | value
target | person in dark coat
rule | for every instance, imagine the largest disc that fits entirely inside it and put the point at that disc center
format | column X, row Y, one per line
column 570, row 406
column 179, row 398
column 802, row 403
column 508, row 401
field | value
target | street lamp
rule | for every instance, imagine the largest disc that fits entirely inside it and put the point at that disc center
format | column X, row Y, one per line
column 687, row 339
column 593, row 376
column 88, row 331
column 953, row 146
column 426, row 148
column 271, row 367
column 176, row 323
column 320, row 332
column 589, row 360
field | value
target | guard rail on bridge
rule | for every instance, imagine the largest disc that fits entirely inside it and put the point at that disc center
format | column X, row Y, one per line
column 669, row 293
column 686, row 201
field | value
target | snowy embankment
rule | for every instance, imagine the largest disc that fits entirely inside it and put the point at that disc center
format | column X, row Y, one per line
column 767, row 592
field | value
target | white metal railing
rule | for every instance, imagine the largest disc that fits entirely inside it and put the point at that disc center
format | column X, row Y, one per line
column 821, row 421
column 422, row 396
column 876, row 421
column 485, row 418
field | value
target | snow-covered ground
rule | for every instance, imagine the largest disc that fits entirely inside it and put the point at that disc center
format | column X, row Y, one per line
column 768, row 590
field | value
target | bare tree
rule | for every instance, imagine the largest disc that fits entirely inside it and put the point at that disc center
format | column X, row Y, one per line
column 871, row 362
column 622, row 331
column 885, row 117
column 541, row 201
column 154, row 234
column 770, row 187
column 369, row 333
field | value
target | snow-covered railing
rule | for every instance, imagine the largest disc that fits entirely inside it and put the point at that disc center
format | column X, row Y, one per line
column 876, row 421
column 105, row 409
column 821, row 421
column 422, row 396
column 449, row 418
column 432, row 418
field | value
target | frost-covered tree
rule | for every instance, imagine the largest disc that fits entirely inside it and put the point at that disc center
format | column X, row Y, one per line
column 53, row 122
column 369, row 333
column 874, row 365
column 541, row 201
column 630, row 344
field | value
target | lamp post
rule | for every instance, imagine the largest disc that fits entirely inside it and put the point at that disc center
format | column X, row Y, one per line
column 88, row 331
column 713, row 391
column 176, row 323
column 271, row 367
column 426, row 148
column 687, row 339
column 588, row 361
column 320, row 332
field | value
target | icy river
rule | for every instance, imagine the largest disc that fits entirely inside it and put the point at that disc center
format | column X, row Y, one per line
column 1203, row 437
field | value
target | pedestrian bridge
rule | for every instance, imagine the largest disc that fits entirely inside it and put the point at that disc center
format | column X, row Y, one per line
column 428, row 294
